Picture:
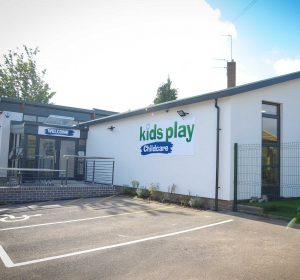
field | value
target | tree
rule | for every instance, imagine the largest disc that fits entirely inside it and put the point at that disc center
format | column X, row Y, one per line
column 165, row 93
column 19, row 77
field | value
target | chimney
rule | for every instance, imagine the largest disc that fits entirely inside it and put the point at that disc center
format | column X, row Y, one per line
column 231, row 73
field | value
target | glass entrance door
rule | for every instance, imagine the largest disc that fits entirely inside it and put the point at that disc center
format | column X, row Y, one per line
column 67, row 147
column 51, row 155
column 47, row 154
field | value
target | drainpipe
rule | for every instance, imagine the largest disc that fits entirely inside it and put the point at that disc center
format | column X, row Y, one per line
column 217, row 155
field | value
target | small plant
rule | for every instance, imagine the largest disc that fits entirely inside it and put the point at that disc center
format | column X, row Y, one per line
column 135, row 184
column 185, row 199
column 198, row 202
column 271, row 208
column 173, row 188
column 127, row 190
column 172, row 197
column 154, row 192
column 164, row 197
column 142, row 192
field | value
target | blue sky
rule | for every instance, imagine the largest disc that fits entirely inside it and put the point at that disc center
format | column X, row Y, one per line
column 272, row 23
column 267, row 31
column 114, row 54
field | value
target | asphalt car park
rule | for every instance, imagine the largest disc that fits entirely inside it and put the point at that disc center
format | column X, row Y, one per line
column 124, row 238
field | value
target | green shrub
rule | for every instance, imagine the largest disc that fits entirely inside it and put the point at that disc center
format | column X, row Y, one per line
column 154, row 192
column 198, row 202
column 135, row 184
column 164, row 197
column 185, row 200
column 271, row 208
column 127, row 190
column 172, row 188
column 142, row 192
column 171, row 196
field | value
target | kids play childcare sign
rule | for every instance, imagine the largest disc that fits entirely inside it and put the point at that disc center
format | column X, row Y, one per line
column 169, row 138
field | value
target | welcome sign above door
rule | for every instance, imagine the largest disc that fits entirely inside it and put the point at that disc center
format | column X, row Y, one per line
column 59, row 132
column 173, row 137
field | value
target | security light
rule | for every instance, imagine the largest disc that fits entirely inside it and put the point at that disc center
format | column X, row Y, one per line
column 181, row 113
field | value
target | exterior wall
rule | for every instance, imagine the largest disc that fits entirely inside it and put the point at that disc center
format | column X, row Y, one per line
column 240, row 122
column 5, row 120
column 225, row 176
column 194, row 174
column 45, row 193
column 246, row 118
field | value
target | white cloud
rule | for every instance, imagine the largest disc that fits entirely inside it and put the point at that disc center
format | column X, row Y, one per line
column 286, row 65
column 115, row 54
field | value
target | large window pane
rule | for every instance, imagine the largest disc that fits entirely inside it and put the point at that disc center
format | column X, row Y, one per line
column 269, row 130
column 42, row 119
column 47, row 153
column 270, row 156
column 269, row 109
column 30, row 151
column 270, row 164
column 270, row 176
column 29, row 118
column 31, row 141
column 271, row 150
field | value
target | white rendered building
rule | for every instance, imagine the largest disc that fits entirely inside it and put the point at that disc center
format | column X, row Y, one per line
column 195, row 151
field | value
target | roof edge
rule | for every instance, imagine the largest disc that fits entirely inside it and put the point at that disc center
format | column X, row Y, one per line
column 199, row 98
column 61, row 107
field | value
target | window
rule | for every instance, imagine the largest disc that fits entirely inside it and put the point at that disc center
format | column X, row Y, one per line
column 29, row 118
column 269, row 109
column 270, row 130
column 271, row 149
column 30, row 151
column 270, row 123
column 60, row 120
column 81, row 142
column 42, row 119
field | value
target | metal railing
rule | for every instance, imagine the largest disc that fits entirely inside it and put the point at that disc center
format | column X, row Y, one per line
column 11, row 177
column 95, row 170
column 270, row 171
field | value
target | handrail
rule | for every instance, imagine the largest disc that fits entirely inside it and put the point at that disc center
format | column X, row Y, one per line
column 94, row 168
column 31, row 169
column 87, row 157
column 21, row 176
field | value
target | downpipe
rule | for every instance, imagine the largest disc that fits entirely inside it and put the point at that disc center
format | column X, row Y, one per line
column 217, row 156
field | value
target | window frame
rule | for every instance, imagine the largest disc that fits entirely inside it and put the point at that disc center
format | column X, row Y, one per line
column 271, row 116
column 268, row 188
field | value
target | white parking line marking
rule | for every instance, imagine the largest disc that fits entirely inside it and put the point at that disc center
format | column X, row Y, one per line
column 9, row 263
column 86, row 219
column 5, row 258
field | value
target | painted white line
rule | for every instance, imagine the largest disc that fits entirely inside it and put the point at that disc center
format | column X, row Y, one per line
column 85, row 219
column 5, row 258
column 9, row 263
